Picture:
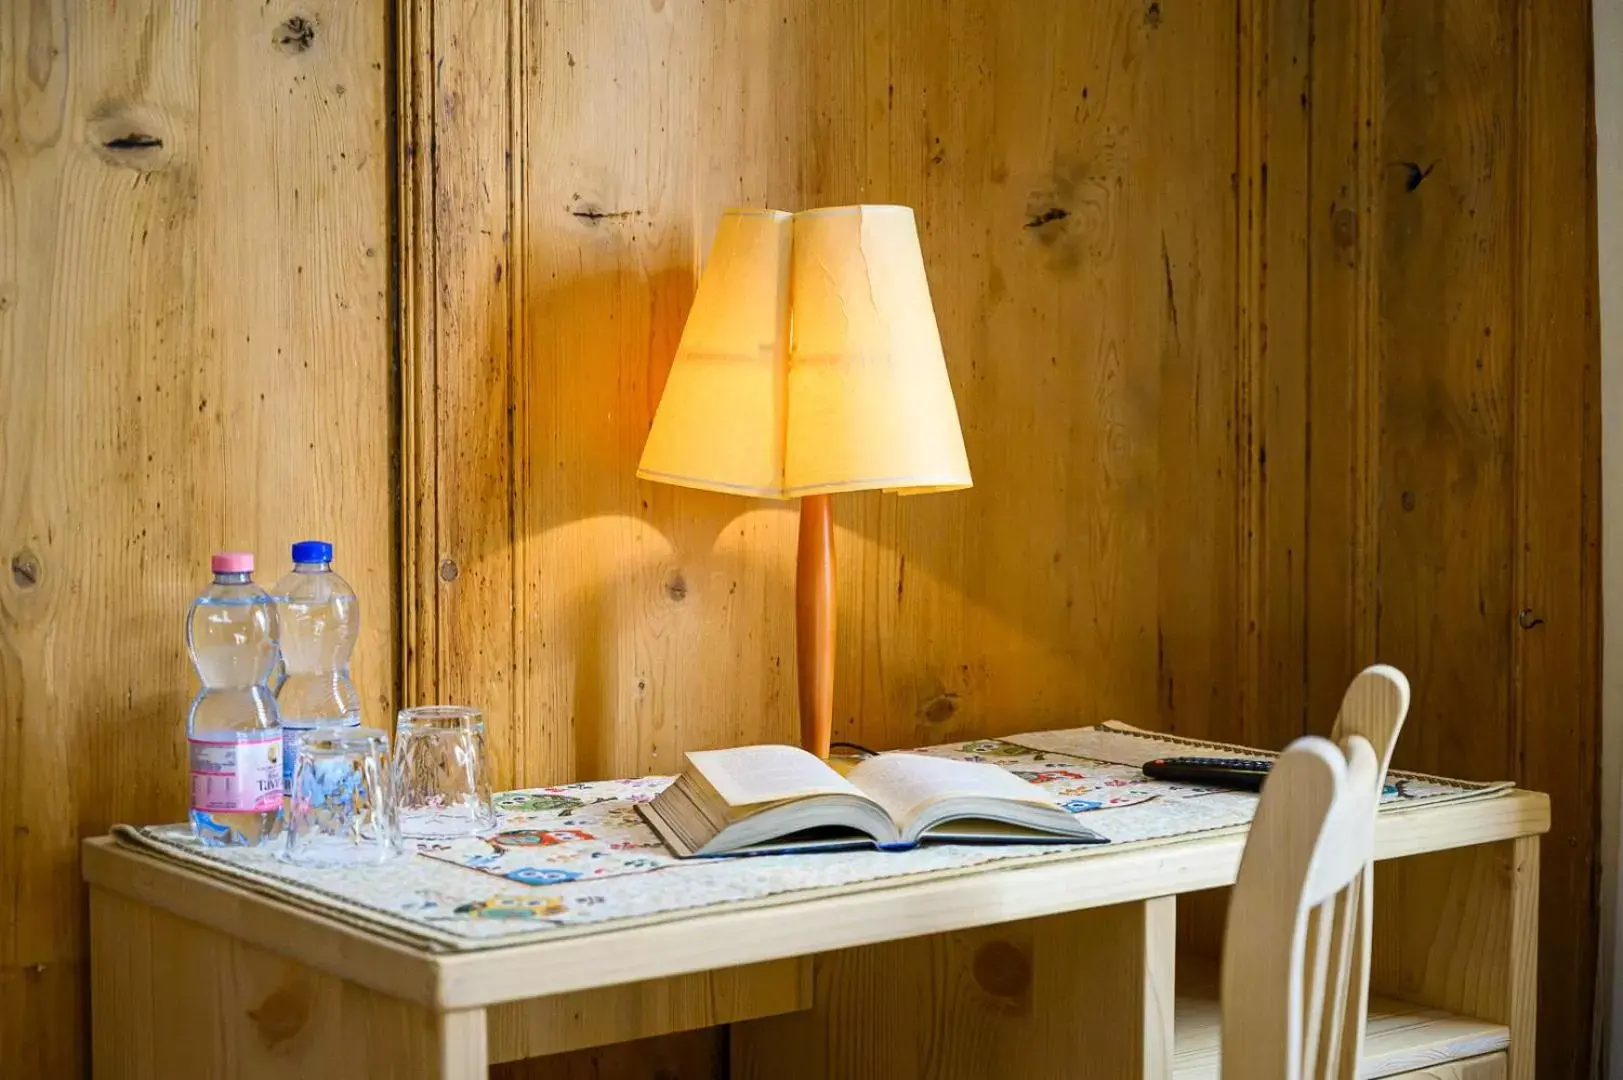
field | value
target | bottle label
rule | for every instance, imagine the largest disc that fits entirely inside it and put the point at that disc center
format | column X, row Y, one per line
column 241, row 775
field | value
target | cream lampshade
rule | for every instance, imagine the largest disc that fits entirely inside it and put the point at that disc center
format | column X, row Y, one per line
column 810, row 364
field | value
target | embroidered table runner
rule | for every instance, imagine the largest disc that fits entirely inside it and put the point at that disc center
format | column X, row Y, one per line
column 577, row 858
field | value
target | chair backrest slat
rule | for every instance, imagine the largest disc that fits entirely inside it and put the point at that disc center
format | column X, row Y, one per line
column 1295, row 936
column 1374, row 706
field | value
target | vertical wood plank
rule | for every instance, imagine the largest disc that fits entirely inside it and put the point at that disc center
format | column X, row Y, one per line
column 1447, row 332
column 1555, row 536
column 1343, row 476
column 1275, row 173
column 193, row 355
column 654, row 619
column 467, row 405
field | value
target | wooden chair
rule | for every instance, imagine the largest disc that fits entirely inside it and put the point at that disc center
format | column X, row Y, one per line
column 1374, row 706
column 1296, row 949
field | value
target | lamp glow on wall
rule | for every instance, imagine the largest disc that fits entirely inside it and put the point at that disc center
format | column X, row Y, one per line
column 810, row 364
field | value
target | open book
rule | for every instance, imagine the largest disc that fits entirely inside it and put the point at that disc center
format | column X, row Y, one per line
column 771, row 799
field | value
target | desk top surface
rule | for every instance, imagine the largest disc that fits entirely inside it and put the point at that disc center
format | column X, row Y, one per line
column 750, row 933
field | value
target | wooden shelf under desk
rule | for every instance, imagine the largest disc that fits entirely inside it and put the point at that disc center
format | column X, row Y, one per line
column 1401, row 1039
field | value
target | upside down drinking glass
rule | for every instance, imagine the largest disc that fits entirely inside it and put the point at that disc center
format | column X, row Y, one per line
column 341, row 811
column 442, row 773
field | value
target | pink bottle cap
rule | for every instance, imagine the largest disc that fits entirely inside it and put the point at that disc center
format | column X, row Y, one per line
column 233, row 562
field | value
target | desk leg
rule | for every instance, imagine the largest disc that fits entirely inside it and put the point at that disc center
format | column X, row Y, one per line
column 464, row 1046
column 1087, row 993
column 174, row 1000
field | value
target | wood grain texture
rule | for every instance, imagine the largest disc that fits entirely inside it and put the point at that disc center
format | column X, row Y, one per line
column 1276, row 169
column 701, row 1055
column 1453, row 486
column 270, row 1016
column 651, row 620
column 1453, row 931
column 815, row 622
column 1486, row 1067
column 1270, row 324
column 973, row 994
column 194, row 354
column 1399, row 1037
column 591, row 1018
column 1557, row 532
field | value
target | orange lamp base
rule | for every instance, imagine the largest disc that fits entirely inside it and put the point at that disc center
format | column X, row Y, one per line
column 814, row 623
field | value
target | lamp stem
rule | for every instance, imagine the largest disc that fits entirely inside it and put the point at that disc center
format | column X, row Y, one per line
column 814, row 623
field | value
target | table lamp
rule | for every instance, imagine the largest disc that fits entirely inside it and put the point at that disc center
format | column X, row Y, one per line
column 810, row 364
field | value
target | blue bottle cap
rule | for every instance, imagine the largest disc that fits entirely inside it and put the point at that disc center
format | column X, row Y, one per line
column 308, row 551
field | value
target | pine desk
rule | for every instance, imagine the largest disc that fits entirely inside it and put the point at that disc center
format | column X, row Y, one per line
column 1056, row 969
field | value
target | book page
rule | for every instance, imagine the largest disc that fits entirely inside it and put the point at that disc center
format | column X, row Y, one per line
column 906, row 783
column 749, row 775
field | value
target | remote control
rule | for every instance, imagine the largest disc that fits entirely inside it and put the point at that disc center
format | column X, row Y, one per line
column 1244, row 774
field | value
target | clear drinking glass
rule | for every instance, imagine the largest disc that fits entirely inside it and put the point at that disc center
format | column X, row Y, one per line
column 442, row 773
column 340, row 807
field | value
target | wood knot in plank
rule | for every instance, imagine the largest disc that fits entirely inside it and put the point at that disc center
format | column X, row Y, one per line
column 940, row 708
column 281, row 1015
column 1344, row 228
column 1152, row 15
column 25, row 569
column 676, row 587
column 130, row 136
column 295, row 35
column 449, row 571
column 1003, row 970
column 1053, row 213
column 594, row 215
column 135, row 140
column 1413, row 174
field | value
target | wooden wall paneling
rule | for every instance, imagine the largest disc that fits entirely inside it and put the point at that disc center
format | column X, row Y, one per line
column 1555, row 640
column 657, row 619
column 462, row 395
column 1273, row 284
column 1446, row 333
column 647, row 629
column 1215, row 344
column 417, row 292
column 1343, row 477
column 1452, row 448
column 1202, row 465
column 193, row 355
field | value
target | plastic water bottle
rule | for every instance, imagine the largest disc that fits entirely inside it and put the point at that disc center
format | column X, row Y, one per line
column 320, row 619
column 233, row 733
